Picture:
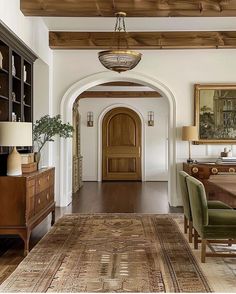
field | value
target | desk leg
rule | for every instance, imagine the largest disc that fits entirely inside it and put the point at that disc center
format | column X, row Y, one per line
column 25, row 236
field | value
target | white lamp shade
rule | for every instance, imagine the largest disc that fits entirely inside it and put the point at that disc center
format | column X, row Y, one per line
column 15, row 134
column 189, row 133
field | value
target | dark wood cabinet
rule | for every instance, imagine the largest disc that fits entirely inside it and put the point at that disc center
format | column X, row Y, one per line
column 16, row 80
column 25, row 201
column 203, row 172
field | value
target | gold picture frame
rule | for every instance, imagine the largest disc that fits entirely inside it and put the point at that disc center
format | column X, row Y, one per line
column 215, row 113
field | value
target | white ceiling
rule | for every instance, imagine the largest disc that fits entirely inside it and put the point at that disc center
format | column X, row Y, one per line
column 142, row 24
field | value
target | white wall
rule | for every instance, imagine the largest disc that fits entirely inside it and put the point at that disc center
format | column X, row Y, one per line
column 179, row 70
column 32, row 31
column 155, row 138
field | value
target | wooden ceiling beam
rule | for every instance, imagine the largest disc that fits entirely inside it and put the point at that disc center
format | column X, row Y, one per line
column 144, row 8
column 144, row 40
column 120, row 94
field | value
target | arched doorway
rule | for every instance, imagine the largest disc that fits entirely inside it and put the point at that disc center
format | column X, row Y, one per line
column 121, row 145
column 65, row 167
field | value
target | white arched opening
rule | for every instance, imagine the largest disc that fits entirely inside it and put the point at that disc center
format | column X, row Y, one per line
column 66, row 114
column 100, row 119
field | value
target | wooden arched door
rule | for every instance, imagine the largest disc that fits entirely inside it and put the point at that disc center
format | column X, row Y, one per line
column 121, row 150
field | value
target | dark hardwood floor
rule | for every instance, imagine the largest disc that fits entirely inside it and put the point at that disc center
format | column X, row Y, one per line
column 106, row 197
column 121, row 197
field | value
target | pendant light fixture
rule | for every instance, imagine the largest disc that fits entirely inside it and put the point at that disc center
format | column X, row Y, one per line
column 119, row 58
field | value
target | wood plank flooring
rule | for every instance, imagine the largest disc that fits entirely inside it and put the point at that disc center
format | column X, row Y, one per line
column 106, row 197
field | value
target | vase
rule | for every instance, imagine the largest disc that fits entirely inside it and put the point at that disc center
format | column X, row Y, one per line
column 1, row 60
column 37, row 156
column 13, row 66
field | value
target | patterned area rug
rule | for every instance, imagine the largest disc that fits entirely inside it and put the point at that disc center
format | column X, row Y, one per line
column 110, row 253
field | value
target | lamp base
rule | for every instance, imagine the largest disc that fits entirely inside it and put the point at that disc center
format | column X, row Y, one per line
column 14, row 163
column 190, row 160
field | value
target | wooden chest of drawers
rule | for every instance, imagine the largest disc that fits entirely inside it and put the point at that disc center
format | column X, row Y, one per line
column 25, row 201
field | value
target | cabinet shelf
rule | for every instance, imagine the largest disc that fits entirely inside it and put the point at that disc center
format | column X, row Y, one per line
column 27, row 84
column 3, row 70
column 4, row 97
column 17, row 102
column 16, row 78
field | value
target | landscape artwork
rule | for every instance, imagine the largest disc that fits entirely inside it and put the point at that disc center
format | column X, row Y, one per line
column 215, row 113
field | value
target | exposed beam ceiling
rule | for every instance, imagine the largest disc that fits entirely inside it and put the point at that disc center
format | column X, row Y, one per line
column 133, row 8
column 119, row 94
column 143, row 40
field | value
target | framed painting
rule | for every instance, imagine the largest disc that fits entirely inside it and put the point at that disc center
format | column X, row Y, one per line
column 215, row 113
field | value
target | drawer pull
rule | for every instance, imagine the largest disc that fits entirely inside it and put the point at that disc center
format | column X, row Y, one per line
column 195, row 170
column 39, row 182
column 48, row 178
column 47, row 196
column 214, row 170
column 39, row 201
column 232, row 170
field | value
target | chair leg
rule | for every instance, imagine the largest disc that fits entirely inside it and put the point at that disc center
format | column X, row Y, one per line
column 185, row 224
column 203, row 250
column 195, row 239
column 190, row 232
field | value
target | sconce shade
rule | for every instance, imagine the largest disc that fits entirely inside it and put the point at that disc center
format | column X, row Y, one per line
column 90, row 119
column 15, row 134
column 150, row 118
column 189, row 133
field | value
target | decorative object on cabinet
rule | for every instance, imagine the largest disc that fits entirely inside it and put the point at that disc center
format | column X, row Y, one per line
column 119, row 58
column 27, row 158
column 1, row 59
column 13, row 96
column 15, row 134
column 215, row 113
column 25, row 74
column 203, row 171
column 46, row 128
column 13, row 117
column 189, row 133
column 13, row 71
column 150, row 118
column 26, row 200
column 29, row 167
column 90, row 119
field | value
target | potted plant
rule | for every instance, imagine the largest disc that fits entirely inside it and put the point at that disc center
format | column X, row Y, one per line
column 45, row 129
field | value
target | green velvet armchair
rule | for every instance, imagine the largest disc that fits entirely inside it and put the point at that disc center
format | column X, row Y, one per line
column 211, row 204
column 210, row 224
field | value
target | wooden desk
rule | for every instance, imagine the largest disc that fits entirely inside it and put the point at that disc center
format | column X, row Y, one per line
column 224, row 187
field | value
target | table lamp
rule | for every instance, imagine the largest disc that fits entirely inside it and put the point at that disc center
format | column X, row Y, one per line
column 14, row 134
column 189, row 133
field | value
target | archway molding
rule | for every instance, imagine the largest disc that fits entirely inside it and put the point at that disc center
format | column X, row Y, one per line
column 65, row 166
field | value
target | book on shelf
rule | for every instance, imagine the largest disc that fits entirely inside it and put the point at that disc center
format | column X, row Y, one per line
column 228, row 159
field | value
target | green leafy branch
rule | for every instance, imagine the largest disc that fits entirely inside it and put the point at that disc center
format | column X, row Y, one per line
column 46, row 128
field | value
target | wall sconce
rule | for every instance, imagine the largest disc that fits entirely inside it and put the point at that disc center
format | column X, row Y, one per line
column 90, row 119
column 150, row 118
